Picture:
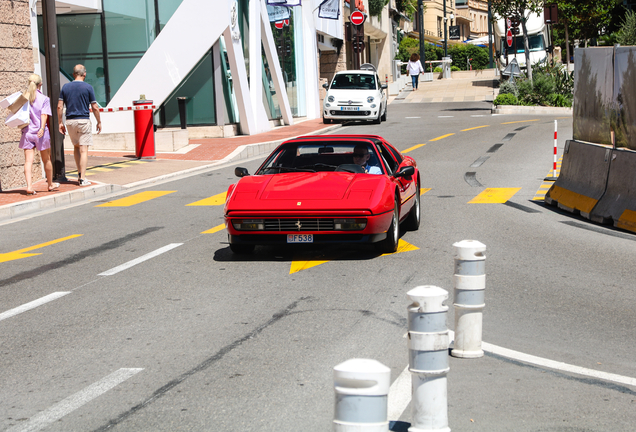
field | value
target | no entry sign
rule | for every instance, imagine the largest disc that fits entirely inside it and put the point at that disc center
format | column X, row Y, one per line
column 509, row 38
column 357, row 18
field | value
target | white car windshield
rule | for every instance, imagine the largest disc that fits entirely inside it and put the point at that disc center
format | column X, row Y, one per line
column 353, row 81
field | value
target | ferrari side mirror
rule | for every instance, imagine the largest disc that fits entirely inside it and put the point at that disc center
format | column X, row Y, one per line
column 406, row 171
column 241, row 172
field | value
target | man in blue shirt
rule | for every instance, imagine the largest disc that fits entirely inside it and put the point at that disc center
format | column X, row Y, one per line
column 78, row 96
column 361, row 157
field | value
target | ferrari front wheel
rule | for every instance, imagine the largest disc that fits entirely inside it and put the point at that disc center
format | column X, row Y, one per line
column 390, row 243
column 412, row 222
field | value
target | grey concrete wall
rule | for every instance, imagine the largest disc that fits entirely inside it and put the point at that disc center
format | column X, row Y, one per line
column 16, row 64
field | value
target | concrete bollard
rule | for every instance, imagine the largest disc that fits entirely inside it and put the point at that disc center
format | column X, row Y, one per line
column 362, row 392
column 428, row 358
column 470, row 283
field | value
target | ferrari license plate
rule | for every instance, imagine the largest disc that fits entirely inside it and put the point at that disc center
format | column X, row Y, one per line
column 300, row 238
column 348, row 108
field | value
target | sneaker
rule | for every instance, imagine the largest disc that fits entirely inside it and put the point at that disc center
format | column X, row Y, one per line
column 84, row 182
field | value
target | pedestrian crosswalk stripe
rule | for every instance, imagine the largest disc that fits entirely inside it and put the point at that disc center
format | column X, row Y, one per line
column 218, row 199
column 494, row 196
column 135, row 199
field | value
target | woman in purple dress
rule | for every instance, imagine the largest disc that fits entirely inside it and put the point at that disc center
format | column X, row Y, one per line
column 36, row 134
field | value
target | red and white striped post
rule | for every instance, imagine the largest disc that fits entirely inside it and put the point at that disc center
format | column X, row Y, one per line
column 554, row 166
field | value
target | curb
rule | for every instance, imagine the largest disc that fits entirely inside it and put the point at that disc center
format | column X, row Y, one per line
column 63, row 199
column 531, row 110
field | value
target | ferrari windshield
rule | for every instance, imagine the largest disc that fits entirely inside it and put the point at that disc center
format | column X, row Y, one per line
column 353, row 81
column 354, row 157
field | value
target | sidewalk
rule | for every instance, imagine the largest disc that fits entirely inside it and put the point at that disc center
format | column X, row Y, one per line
column 114, row 171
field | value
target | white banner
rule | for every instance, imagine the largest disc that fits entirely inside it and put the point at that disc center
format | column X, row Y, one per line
column 329, row 9
column 278, row 13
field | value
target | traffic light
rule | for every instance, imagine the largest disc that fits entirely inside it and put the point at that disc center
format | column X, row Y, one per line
column 514, row 26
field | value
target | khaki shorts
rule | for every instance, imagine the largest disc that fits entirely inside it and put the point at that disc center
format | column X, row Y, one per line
column 80, row 131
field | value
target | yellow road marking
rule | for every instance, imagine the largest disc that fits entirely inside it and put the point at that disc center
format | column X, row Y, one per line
column 15, row 255
column 215, row 229
column 494, row 196
column 442, row 137
column 478, row 127
column 521, row 121
column 215, row 200
column 413, row 148
column 297, row 266
column 424, row 190
column 135, row 199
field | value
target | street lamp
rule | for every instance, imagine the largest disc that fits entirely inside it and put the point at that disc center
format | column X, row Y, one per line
column 420, row 25
column 445, row 32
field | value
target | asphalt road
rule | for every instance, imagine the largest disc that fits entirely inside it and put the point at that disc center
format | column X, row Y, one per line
column 194, row 338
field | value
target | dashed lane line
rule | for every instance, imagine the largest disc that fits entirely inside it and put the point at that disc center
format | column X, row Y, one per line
column 473, row 128
column 442, row 137
column 216, row 229
column 135, row 199
column 216, row 200
column 32, row 305
column 141, row 259
column 73, row 402
column 521, row 121
column 413, row 148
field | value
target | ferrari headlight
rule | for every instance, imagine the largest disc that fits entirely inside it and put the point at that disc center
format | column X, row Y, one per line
column 249, row 224
column 370, row 99
column 331, row 99
column 349, row 224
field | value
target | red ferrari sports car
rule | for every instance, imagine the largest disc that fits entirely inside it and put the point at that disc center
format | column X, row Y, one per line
column 325, row 189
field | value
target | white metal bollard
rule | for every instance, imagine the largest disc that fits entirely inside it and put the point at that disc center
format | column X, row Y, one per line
column 470, row 283
column 428, row 358
column 362, row 391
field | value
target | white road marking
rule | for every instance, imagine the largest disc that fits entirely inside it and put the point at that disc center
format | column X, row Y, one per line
column 412, row 117
column 400, row 391
column 31, row 305
column 399, row 395
column 141, row 259
column 560, row 366
column 445, row 116
column 75, row 401
column 478, row 115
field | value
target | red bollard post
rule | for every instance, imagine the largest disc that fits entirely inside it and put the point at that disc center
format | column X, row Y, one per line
column 144, row 129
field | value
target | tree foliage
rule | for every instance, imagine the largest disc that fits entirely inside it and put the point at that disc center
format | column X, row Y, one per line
column 407, row 7
column 627, row 33
column 519, row 9
column 376, row 6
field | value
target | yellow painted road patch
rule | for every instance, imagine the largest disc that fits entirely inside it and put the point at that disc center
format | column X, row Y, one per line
column 473, row 128
column 424, row 190
column 215, row 229
column 135, row 199
column 19, row 254
column 297, row 266
column 413, row 148
column 442, row 137
column 494, row 196
column 215, row 200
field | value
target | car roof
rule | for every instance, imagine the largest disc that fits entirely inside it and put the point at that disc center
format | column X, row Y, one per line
column 357, row 71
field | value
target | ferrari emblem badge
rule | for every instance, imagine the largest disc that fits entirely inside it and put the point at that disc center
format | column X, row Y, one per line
column 298, row 203
column 299, row 225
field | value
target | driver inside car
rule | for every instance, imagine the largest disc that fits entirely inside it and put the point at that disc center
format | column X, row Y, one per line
column 361, row 157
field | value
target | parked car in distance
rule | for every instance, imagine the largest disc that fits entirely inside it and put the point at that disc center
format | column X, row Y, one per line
column 355, row 95
column 325, row 189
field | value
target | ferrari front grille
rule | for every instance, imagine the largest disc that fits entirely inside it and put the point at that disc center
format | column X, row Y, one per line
column 319, row 224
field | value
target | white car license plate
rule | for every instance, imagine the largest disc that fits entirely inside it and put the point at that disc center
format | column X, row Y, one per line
column 348, row 108
column 300, row 238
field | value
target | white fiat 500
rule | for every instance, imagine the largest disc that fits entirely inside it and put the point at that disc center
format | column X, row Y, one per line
column 355, row 95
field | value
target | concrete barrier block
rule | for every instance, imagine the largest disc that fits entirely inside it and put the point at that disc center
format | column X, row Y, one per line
column 583, row 177
column 618, row 204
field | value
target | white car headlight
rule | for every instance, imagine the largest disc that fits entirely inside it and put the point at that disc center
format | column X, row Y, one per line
column 370, row 99
column 331, row 98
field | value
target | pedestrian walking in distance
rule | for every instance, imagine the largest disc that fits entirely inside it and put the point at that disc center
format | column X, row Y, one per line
column 79, row 96
column 36, row 135
column 414, row 67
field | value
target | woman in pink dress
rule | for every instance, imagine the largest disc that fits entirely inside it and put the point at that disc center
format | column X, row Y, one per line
column 36, row 134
